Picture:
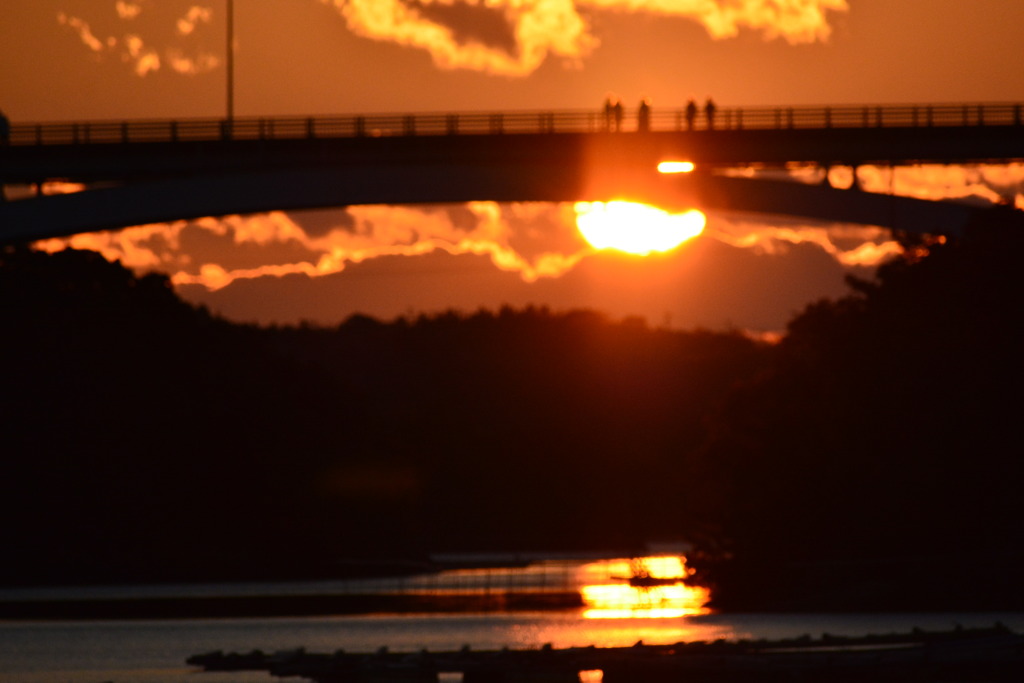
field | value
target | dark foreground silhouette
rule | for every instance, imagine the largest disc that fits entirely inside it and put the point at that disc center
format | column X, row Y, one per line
column 147, row 440
column 867, row 461
column 875, row 464
column 963, row 655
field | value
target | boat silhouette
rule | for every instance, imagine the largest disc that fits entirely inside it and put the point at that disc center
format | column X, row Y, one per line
column 641, row 577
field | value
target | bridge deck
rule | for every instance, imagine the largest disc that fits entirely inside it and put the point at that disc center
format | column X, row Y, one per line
column 480, row 123
column 137, row 172
column 131, row 151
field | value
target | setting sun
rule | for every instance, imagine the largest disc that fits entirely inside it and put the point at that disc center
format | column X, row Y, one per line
column 636, row 228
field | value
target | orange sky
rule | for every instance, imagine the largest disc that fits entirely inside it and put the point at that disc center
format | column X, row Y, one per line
column 109, row 59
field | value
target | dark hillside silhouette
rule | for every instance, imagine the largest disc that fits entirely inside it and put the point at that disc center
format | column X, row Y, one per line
column 146, row 440
column 522, row 420
column 141, row 436
column 876, row 465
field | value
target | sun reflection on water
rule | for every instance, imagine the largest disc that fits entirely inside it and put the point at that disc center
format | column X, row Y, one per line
column 647, row 588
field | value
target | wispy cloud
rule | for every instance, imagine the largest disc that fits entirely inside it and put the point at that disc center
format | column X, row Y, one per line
column 193, row 17
column 504, row 37
column 849, row 245
column 796, row 21
column 534, row 241
column 84, row 32
column 128, row 10
column 145, row 40
column 536, row 29
column 980, row 184
column 143, row 58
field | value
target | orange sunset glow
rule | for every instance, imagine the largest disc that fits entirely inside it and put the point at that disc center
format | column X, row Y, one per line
column 136, row 60
column 470, row 341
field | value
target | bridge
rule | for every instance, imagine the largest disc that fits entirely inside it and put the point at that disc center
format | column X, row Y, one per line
column 148, row 171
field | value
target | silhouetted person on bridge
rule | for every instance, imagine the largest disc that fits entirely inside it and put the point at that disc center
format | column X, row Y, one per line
column 709, row 113
column 613, row 113
column 643, row 117
column 608, row 112
column 691, row 114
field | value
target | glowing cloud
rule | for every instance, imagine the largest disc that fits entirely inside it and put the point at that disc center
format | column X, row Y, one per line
column 128, row 10
column 135, row 50
column 82, row 29
column 539, row 28
column 194, row 16
column 797, row 21
column 506, row 37
column 500, row 232
column 144, row 59
column 981, row 184
column 849, row 245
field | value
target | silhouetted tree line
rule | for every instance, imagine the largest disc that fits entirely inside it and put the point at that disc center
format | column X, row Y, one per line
column 876, row 464
column 867, row 461
column 147, row 439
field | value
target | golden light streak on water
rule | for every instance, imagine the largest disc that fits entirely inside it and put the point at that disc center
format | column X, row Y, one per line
column 660, row 590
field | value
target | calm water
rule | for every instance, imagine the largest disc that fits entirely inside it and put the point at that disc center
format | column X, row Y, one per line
column 155, row 651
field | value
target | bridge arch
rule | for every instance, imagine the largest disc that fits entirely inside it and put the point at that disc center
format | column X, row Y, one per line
column 310, row 188
column 157, row 171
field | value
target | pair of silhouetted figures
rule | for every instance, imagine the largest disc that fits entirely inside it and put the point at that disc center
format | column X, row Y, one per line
column 614, row 112
column 709, row 113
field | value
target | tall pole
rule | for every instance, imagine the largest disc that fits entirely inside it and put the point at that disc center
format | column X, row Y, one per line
column 231, row 60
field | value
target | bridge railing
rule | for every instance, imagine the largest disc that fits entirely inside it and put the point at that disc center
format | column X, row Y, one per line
column 890, row 116
column 477, row 123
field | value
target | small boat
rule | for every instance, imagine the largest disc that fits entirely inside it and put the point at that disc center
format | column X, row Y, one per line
column 641, row 577
column 648, row 581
